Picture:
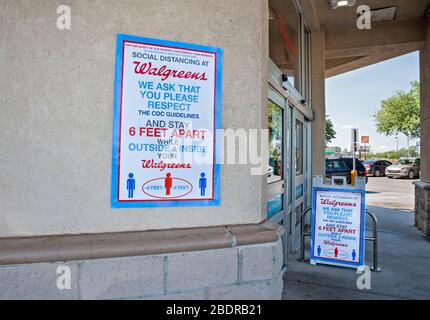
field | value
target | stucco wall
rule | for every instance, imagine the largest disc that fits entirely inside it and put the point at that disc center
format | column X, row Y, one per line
column 425, row 107
column 56, row 106
column 243, row 273
column 318, row 103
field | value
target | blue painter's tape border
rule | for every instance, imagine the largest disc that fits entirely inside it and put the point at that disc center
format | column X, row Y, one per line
column 360, row 261
column 116, row 119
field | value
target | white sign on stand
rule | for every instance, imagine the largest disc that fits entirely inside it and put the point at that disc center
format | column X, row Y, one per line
column 338, row 224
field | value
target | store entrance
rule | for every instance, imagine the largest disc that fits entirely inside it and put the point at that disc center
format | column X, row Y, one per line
column 288, row 177
column 278, row 169
column 301, row 175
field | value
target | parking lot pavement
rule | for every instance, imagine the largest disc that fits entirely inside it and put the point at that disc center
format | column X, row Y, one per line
column 390, row 193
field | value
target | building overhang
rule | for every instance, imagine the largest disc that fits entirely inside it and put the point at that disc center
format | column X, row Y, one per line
column 398, row 27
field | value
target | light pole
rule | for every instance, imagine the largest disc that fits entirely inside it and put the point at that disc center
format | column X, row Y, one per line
column 407, row 139
column 354, row 140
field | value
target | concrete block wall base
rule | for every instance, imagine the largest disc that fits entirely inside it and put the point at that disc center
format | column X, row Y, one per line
column 422, row 207
column 239, row 272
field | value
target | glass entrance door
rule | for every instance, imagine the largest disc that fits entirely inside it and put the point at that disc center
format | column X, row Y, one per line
column 301, row 178
column 288, row 169
column 278, row 167
column 275, row 170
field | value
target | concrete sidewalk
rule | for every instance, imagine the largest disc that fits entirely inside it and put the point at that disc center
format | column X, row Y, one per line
column 404, row 255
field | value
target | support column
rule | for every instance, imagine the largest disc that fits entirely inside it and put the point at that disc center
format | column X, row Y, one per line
column 318, row 102
column 422, row 188
column 425, row 107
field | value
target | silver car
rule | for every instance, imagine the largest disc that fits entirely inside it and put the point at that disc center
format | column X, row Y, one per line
column 409, row 168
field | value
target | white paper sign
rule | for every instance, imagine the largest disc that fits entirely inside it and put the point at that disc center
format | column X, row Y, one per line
column 167, row 110
column 338, row 227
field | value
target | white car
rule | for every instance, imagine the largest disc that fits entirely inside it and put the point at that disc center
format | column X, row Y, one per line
column 409, row 168
column 270, row 171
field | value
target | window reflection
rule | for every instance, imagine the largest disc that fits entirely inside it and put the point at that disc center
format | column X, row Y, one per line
column 299, row 211
column 274, row 205
column 284, row 28
column 307, row 67
column 299, row 147
column 275, row 115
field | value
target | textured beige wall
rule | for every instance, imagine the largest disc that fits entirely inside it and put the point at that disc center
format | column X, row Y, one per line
column 425, row 107
column 56, row 106
column 318, row 103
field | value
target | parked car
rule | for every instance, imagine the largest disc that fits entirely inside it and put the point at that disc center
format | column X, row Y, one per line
column 270, row 171
column 376, row 168
column 342, row 167
column 409, row 168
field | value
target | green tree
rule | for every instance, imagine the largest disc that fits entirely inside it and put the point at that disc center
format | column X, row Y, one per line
column 330, row 133
column 394, row 155
column 400, row 113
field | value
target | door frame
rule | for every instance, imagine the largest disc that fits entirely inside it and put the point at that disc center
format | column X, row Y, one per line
column 302, row 180
column 294, row 107
column 283, row 216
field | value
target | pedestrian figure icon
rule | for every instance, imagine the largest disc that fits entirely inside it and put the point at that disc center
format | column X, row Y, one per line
column 168, row 183
column 202, row 184
column 319, row 250
column 336, row 252
column 354, row 254
column 131, row 185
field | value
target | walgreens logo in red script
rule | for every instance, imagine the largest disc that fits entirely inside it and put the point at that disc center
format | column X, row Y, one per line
column 165, row 73
column 336, row 203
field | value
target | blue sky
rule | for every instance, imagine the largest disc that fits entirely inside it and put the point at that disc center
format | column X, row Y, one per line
column 352, row 98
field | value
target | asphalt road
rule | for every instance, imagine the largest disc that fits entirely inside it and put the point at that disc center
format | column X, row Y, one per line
column 390, row 193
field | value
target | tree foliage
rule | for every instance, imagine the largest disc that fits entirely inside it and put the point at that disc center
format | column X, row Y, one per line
column 400, row 113
column 394, row 155
column 330, row 133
